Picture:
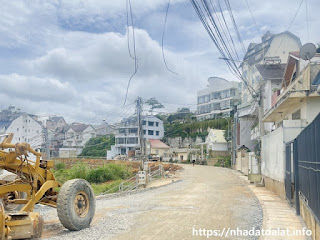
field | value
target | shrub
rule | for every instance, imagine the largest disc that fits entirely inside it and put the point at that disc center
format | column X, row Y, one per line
column 80, row 170
column 59, row 166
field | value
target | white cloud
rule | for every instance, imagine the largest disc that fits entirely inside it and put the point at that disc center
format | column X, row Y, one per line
column 36, row 89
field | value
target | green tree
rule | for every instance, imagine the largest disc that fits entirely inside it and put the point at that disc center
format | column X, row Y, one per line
column 154, row 103
column 98, row 146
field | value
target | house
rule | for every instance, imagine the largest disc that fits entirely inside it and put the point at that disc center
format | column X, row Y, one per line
column 25, row 129
column 104, row 129
column 217, row 99
column 259, row 68
column 183, row 154
column 216, row 142
column 77, row 136
column 55, row 122
column 127, row 134
column 295, row 107
column 56, row 138
column 158, row 148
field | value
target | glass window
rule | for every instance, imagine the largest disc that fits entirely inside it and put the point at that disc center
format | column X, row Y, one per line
column 151, row 124
column 157, row 124
column 150, row 132
column 157, row 133
column 144, row 122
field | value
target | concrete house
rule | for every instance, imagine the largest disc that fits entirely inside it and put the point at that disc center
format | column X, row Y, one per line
column 216, row 142
column 259, row 68
column 127, row 134
column 25, row 129
column 55, row 122
column 76, row 137
column 158, row 148
column 295, row 108
column 218, row 98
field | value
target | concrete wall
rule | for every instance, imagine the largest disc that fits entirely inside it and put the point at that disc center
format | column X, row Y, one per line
column 272, row 155
column 275, row 186
column 253, row 164
column 242, row 162
column 310, row 219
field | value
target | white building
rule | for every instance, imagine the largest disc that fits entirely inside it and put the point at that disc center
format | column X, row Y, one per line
column 218, row 98
column 126, row 138
column 273, row 50
column 296, row 106
column 77, row 136
column 25, row 129
column 216, row 142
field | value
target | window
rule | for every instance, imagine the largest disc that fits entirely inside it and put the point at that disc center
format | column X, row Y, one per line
column 157, row 124
column 144, row 122
column 132, row 140
column 157, row 133
column 150, row 132
column 122, row 130
column 144, row 132
column 133, row 130
column 18, row 131
column 120, row 140
column 151, row 124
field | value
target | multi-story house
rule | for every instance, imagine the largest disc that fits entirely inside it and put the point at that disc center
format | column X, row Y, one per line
column 257, row 71
column 25, row 129
column 126, row 138
column 76, row 137
column 293, row 108
column 55, row 122
column 217, row 99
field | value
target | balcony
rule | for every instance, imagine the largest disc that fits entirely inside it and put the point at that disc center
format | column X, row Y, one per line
column 291, row 96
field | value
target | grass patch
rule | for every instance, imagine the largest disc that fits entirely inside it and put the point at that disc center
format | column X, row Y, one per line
column 101, row 178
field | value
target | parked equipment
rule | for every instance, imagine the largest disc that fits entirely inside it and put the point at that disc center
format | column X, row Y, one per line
column 35, row 183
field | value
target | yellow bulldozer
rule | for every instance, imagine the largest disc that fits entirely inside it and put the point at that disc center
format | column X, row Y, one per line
column 34, row 183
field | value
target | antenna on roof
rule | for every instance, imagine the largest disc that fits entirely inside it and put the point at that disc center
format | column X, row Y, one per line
column 308, row 51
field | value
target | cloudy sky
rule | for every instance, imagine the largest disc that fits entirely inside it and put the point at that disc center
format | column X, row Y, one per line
column 70, row 57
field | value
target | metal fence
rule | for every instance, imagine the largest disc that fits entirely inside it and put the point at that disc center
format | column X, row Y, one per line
column 307, row 161
column 133, row 183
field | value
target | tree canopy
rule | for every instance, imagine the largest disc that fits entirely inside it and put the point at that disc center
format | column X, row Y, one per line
column 98, row 146
column 154, row 103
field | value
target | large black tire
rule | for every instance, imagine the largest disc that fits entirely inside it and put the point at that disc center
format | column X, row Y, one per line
column 76, row 204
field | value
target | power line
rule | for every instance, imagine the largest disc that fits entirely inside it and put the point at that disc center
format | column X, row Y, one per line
column 255, row 23
column 134, row 50
column 204, row 13
column 235, row 25
column 163, row 33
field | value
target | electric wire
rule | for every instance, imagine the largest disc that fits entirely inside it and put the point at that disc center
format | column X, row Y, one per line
column 162, row 40
column 134, row 52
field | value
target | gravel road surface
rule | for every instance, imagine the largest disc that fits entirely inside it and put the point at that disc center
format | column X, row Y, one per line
column 207, row 197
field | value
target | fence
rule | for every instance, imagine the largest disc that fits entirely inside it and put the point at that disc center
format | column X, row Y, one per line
column 133, row 183
column 303, row 168
column 307, row 154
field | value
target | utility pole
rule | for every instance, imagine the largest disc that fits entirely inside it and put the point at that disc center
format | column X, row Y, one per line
column 46, row 138
column 261, row 124
column 140, row 130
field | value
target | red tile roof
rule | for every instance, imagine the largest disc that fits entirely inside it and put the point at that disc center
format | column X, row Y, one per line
column 156, row 143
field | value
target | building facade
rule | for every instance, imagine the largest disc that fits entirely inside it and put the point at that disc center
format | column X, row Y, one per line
column 293, row 110
column 217, row 99
column 26, row 129
column 126, row 138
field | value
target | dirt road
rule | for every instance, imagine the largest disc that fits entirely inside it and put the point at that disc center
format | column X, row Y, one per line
column 207, row 197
